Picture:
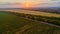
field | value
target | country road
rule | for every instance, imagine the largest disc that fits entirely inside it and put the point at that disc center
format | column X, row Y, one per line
column 36, row 13
column 45, row 23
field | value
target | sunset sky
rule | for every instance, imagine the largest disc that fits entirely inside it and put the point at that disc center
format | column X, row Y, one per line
column 22, row 1
column 36, row 2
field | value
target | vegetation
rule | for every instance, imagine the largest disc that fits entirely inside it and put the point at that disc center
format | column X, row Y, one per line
column 52, row 20
column 13, row 23
column 39, row 13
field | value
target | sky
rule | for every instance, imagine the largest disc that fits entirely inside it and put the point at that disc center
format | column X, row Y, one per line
column 34, row 1
column 22, row 1
column 37, row 2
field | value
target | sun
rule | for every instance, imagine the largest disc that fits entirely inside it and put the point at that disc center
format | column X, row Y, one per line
column 27, row 5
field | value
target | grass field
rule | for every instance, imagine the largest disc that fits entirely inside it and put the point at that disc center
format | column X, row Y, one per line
column 40, row 13
column 12, row 24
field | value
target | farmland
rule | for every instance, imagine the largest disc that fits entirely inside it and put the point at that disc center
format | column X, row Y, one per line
column 39, row 13
column 13, row 24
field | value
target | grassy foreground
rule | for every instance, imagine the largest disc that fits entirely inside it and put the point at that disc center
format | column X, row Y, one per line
column 12, row 24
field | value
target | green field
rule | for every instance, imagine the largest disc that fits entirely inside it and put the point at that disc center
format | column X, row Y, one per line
column 12, row 24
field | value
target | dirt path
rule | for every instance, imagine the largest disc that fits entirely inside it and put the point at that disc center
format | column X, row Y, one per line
column 46, row 23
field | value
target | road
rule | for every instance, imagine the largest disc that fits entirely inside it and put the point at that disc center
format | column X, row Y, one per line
column 45, row 23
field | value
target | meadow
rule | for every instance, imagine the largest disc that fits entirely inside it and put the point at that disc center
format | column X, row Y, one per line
column 39, row 13
column 48, row 19
column 13, row 23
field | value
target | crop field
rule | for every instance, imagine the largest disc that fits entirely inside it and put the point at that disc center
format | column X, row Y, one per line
column 12, row 24
column 40, row 13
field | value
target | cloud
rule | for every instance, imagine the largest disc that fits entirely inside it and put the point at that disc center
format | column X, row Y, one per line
column 37, row 2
